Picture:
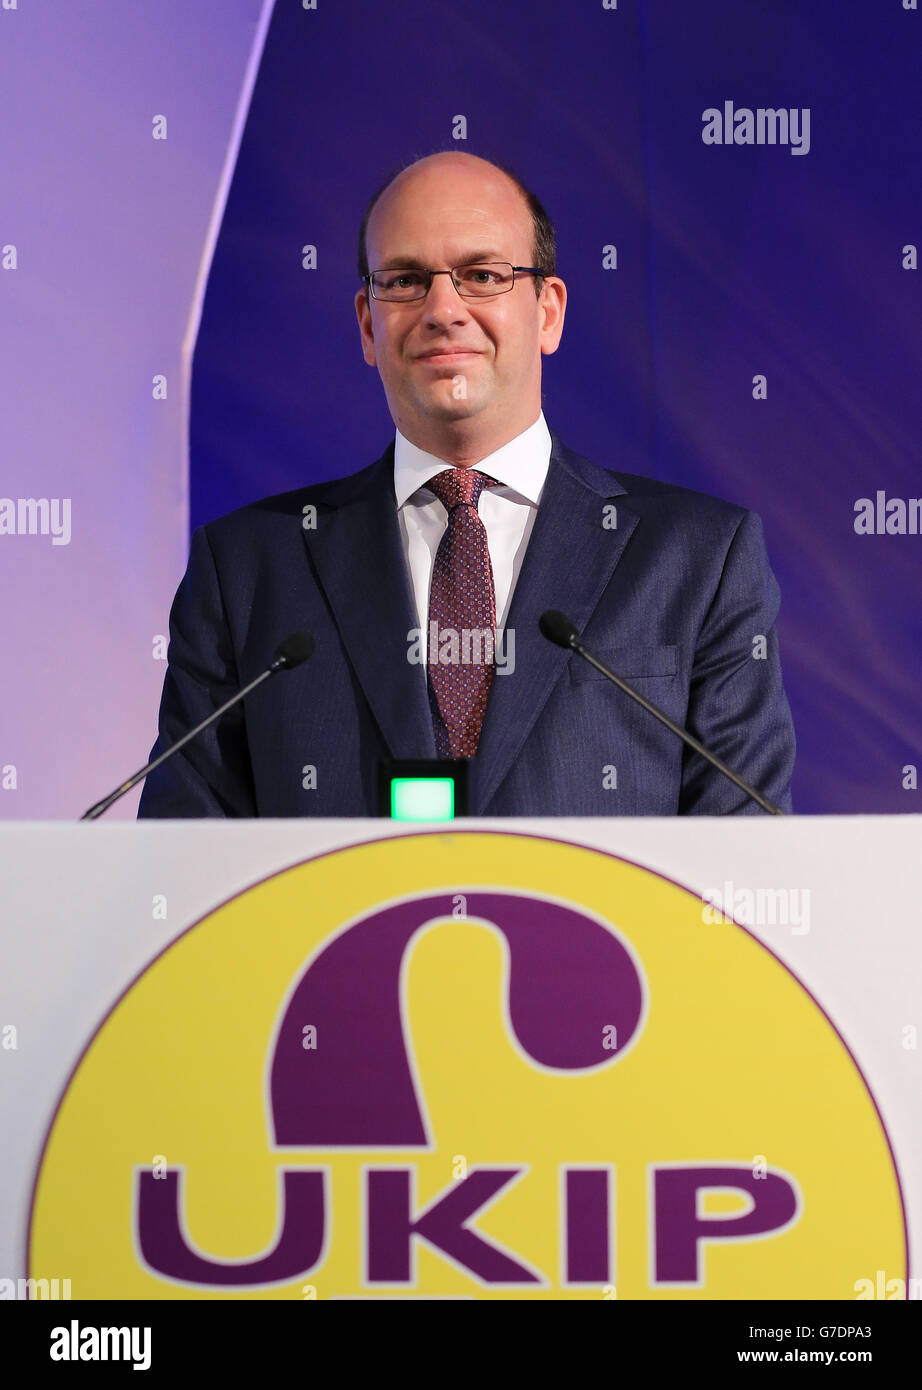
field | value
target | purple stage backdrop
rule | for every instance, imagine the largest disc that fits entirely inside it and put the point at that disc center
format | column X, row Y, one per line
column 738, row 200
column 120, row 125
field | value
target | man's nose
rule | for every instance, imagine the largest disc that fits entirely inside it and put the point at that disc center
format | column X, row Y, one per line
column 443, row 304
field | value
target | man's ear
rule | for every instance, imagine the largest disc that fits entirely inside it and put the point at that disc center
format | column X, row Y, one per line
column 363, row 314
column 553, row 305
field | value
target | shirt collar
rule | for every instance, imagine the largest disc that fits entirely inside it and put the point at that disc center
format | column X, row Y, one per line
column 521, row 464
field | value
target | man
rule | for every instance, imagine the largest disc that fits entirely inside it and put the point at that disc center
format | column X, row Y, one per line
column 422, row 578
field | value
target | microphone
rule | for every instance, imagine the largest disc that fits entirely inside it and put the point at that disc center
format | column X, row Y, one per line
column 558, row 628
column 288, row 654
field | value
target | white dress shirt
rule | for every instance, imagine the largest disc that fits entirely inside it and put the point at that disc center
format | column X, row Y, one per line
column 507, row 512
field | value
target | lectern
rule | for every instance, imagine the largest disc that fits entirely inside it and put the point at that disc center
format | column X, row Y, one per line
column 508, row 1059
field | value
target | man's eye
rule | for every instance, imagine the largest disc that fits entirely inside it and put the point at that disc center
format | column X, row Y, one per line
column 401, row 280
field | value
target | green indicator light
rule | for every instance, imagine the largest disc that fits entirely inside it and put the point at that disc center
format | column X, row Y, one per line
column 422, row 798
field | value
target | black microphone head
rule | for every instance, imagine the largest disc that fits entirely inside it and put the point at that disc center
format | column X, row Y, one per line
column 556, row 627
column 295, row 649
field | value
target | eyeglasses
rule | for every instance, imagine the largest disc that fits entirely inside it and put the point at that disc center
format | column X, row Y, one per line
column 406, row 283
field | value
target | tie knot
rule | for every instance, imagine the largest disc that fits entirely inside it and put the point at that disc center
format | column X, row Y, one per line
column 457, row 486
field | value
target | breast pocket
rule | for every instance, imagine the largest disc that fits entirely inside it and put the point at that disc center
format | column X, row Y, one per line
column 632, row 663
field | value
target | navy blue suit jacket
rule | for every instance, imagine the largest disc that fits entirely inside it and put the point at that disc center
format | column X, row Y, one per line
column 674, row 596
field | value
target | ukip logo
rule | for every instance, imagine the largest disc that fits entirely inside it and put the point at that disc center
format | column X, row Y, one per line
column 476, row 1091
column 358, row 1091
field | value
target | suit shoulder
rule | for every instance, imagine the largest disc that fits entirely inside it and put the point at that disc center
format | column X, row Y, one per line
column 649, row 496
column 263, row 515
column 651, row 493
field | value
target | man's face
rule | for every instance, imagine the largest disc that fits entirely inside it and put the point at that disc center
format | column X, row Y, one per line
column 445, row 360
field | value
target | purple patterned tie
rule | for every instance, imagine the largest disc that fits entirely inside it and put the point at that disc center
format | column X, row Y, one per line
column 463, row 605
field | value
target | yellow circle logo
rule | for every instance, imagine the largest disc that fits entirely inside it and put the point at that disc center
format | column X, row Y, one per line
column 474, row 1065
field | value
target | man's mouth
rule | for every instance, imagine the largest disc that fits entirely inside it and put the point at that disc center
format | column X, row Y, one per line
column 448, row 355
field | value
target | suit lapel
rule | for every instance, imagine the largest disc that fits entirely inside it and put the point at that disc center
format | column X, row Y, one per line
column 357, row 551
column 570, row 558
column 568, row 563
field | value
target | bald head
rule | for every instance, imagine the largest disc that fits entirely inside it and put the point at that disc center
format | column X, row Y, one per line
column 456, row 175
